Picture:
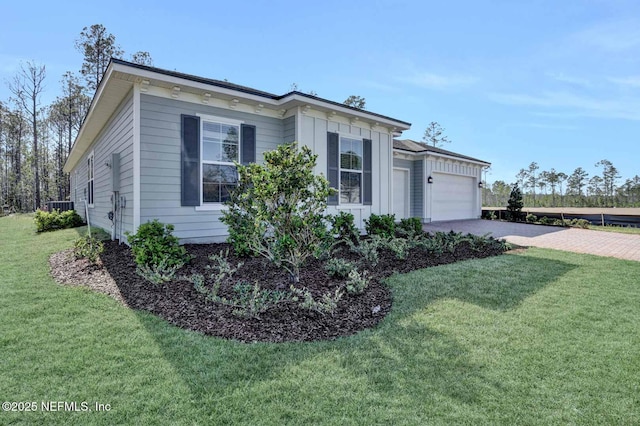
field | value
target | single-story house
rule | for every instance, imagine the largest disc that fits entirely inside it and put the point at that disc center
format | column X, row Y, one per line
column 162, row 144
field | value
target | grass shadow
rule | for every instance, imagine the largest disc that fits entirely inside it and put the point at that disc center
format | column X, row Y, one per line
column 399, row 370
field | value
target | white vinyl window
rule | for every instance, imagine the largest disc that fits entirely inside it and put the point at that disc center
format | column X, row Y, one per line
column 90, row 179
column 220, row 148
column 351, row 160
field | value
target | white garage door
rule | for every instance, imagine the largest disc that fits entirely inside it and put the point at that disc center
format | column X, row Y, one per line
column 401, row 193
column 453, row 197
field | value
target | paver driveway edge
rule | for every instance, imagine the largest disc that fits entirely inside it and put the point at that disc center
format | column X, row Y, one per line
column 600, row 243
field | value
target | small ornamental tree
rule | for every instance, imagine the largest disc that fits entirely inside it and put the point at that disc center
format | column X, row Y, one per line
column 515, row 204
column 276, row 210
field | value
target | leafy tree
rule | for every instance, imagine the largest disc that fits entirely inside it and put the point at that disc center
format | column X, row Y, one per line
column 515, row 204
column 277, row 208
column 609, row 177
column 532, row 179
column 355, row 101
column 98, row 47
column 577, row 182
column 142, row 58
column 433, row 135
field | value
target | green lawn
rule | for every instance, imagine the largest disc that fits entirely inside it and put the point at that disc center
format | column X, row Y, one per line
column 620, row 229
column 543, row 337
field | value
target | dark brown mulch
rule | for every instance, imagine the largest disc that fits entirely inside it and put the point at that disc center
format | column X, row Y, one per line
column 180, row 304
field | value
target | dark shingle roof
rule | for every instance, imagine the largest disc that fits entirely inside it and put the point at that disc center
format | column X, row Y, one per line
column 419, row 147
column 245, row 89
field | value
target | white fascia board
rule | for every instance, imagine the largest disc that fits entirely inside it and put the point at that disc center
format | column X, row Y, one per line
column 290, row 101
column 437, row 154
column 76, row 151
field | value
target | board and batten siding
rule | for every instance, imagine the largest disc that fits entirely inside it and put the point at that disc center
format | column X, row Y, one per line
column 416, row 182
column 160, row 164
column 115, row 137
column 313, row 133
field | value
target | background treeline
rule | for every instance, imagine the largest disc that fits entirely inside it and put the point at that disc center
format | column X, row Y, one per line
column 35, row 139
column 557, row 189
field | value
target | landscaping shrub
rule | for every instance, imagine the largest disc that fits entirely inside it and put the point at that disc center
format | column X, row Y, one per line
column 88, row 247
column 368, row 249
column 409, row 228
column 158, row 274
column 545, row 221
column 343, row 227
column 240, row 228
column 531, row 218
column 383, row 225
column 399, row 247
column 49, row 221
column 277, row 208
column 357, row 283
column 338, row 267
column 327, row 304
column 154, row 244
column 515, row 204
column 580, row 223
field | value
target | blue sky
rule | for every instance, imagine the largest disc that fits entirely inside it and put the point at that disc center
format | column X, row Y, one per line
column 556, row 82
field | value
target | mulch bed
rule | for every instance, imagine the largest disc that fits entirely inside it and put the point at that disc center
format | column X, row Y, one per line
column 180, row 304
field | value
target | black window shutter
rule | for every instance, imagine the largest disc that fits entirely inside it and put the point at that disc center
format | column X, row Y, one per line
column 333, row 166
column 248, row 144
column 367, row 190
column 190, row 158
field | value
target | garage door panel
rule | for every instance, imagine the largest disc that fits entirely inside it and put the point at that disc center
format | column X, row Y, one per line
column 453, row 197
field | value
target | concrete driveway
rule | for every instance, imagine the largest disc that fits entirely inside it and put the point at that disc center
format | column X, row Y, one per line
column 622, row 246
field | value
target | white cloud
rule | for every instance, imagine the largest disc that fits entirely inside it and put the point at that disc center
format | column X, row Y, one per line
column 566, row 103
column 570, row 79
column 613, row 36
column 433, row 81
column 631, row 81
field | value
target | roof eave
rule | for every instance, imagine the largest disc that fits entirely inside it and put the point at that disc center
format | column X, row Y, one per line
column 439, row 154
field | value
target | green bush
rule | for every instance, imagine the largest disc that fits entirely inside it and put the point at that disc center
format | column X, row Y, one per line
column 580, row 223
column 327, row 304
column 399, row 247
column 545, row 221
column 49, row 221
column 158, row 274
column 531, row 218
column 339, row 268
column 383, row 225
column 343, row 227
column 240, row 228
column 515, row 204
column 154, row 244
column 357, row 282
column 88, row 247
column 277, row 208
column 409, row 228
column 368, row 248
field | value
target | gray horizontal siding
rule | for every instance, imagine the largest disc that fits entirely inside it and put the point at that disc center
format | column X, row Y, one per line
column 160, row 163
column 289, row 130
column 115, row 137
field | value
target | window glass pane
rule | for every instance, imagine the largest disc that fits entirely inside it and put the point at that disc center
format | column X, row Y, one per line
column 230, row 133
column 210, row 129
column 211, row 151
column 350, row 187
column 217, row 181
column 229, row 153
column 350, row 154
